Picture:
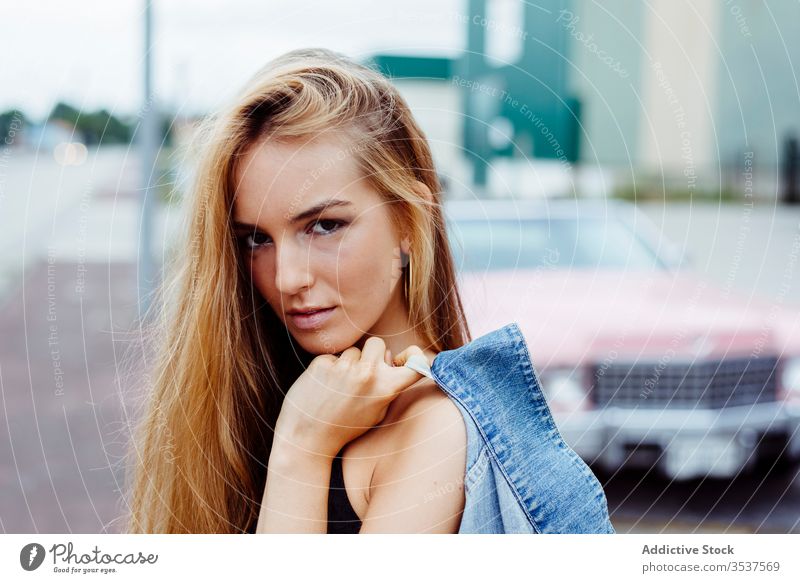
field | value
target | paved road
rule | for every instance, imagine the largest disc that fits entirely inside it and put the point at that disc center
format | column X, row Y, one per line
column 67, row 314
column 762, row 501
column 40, row 200
column 60, row 353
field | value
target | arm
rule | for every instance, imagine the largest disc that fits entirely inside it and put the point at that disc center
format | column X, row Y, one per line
column 418, row 487
column 296, row 492
column 332, row 402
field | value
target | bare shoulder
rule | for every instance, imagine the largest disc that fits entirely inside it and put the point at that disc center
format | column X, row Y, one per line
column 417, row 481
column 426, row 409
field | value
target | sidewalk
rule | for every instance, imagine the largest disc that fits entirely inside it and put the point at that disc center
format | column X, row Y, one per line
column 60, row 350
column 66, row 321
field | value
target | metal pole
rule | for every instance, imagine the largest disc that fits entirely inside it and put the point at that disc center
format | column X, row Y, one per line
column 791, row 171
column 148, row 152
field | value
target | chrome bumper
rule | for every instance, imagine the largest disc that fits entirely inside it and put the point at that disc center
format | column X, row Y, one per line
column 684, row 443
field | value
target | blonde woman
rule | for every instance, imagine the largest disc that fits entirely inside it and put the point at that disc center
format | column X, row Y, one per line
column 315, row 264
column 316, row 372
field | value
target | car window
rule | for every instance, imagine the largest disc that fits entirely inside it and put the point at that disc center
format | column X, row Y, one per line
column 562, row 243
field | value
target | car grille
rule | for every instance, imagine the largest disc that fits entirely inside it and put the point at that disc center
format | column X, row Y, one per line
column 710, row 384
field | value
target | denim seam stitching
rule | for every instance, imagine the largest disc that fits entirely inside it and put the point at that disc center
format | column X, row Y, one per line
column 529, row 369
column 477, row 470
column 490, row 448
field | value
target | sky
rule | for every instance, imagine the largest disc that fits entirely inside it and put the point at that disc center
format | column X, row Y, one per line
column 89, row 52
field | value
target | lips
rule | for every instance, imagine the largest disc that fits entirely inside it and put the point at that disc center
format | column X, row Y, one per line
column 305, row 312
column 308, row 320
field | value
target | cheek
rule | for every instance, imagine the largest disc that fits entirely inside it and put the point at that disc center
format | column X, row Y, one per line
column 263, row 278
column 359, row 270
column 367, row 264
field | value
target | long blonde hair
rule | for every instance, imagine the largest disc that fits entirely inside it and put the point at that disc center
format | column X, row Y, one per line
column 224, row 360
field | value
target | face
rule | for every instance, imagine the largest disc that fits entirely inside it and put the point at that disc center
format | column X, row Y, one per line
column 315, row 234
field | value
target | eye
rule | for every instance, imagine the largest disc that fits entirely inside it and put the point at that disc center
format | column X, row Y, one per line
column 333, row 226
column 253, row 240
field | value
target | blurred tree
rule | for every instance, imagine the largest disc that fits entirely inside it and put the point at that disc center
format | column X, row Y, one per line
column 96, row 128
column 102, row 127
column 11, row 122
column 65, row 112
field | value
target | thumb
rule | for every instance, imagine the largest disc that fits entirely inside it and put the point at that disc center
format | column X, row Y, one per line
column 403, row 356
column 400, row 377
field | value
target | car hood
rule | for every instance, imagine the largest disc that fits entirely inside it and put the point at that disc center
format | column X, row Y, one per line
column 574, row 317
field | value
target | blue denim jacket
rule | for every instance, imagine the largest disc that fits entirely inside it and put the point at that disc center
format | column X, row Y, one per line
column 521, row 476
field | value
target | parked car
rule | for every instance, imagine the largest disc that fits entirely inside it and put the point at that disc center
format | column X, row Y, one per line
column 643, row 362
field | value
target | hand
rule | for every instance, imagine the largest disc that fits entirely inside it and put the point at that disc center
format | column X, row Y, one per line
column 337, row 399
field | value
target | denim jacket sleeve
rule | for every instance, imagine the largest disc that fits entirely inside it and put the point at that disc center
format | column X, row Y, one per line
column 521, row 476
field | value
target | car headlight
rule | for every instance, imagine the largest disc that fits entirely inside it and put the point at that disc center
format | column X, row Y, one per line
column 790, row 378
column 563, row 388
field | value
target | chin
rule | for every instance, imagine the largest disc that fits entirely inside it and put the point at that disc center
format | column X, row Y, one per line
column 324, row 341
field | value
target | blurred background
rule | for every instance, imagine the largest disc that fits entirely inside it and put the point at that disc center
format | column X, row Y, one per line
column 622, row 179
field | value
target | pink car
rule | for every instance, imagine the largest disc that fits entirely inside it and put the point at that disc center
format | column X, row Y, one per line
column 642, row 362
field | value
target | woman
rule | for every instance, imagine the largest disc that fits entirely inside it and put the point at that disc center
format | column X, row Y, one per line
column 316, row 192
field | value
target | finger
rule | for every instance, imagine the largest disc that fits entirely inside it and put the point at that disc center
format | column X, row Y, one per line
column 325, row 357
column 397, row 380
column 374, row 350
column 353, row 354
column 400, row 377
column 402, row 357
column 320, row 359
column 387, row 357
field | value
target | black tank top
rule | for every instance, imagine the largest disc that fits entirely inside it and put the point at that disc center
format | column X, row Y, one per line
column 342, row 519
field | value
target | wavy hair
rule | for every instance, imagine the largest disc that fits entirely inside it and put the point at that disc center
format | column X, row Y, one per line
column 223, row 359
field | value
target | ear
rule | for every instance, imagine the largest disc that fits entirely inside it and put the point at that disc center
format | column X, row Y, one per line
column 422, row 189
column 405, row 246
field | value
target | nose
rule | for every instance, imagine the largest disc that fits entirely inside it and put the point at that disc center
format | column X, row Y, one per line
column 292, row 268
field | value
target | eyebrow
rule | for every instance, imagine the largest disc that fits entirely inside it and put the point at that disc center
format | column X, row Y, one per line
column 306, row 214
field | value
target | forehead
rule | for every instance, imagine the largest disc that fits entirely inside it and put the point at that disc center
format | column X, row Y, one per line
column 278, row 179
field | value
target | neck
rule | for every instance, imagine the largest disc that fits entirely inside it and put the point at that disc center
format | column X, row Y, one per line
column 396, row 330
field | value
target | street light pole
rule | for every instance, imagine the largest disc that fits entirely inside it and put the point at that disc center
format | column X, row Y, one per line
column 148, row 153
